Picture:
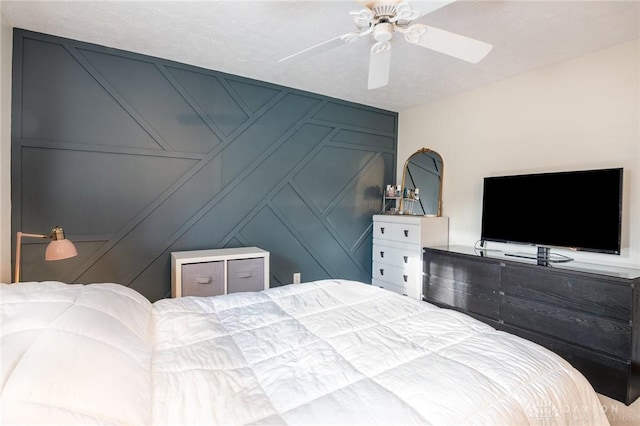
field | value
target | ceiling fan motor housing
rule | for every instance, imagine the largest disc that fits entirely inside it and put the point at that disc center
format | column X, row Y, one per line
column 382, row 9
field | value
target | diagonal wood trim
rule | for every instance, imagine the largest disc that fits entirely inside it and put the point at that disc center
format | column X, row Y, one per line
column 353, row 128
column 109, row 89
column 189, row 99
column 308, row 245
column 284, row 182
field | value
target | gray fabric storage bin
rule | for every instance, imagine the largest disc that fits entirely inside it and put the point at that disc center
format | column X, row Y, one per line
column 245, row 275
column 203, row 279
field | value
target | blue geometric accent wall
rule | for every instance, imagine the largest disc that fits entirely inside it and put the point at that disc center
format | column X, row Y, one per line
column 136, row 157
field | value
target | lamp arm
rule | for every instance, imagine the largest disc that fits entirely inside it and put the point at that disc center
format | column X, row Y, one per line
column 19, row 236
column 22, row 234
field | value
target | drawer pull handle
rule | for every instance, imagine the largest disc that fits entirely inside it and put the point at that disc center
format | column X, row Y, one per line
column 203, row 280
column 405, row 277
column 381, row 254
column 247, row 274
column 381, row 271
column 406, row 232
column 406, row 259
column 382, row 229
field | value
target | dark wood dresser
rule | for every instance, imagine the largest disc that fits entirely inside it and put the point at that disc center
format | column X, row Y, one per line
column 588, row 314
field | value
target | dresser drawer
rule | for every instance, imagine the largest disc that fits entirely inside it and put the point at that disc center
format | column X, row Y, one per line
column 401, row 232
column 473, row 298
column 203, row 279
column 462, row 269
column 245, row 275
column 566, row 290
column 396, row 275
column 590, row 331
column 399, row 255
column 400, row 289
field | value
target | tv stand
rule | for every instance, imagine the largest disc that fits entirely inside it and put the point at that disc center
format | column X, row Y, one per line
column 544, row 256
column 588, row 314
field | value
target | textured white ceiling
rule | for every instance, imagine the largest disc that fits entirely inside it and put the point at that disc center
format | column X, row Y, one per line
column 247, row 38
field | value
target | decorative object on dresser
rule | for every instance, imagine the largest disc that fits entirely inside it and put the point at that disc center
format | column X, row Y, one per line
column 391, row 199
column 588, row 314
column 396, row 201
column 397, row 250
column 219, row 271
column 58, row 249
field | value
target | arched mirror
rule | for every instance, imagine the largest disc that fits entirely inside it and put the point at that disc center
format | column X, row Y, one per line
column 424, row 170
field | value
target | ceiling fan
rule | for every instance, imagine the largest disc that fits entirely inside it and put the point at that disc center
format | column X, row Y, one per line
column 383, row 18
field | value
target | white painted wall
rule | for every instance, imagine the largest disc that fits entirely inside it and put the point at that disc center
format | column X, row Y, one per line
column 580, row 114
column 6, row 37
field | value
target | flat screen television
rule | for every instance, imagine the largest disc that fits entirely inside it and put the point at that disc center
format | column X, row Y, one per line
column 580, row 210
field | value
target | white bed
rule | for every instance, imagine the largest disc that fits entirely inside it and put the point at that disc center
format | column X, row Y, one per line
column 325, row 352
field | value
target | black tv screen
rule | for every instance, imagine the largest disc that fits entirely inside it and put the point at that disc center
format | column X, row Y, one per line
column 581, row 210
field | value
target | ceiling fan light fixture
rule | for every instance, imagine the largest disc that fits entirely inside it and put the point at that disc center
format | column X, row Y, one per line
column 414, row 33
column 405, row 13
column 383, row 31
column 362, row 18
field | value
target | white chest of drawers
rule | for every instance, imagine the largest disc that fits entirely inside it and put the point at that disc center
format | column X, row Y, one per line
column 397, row 250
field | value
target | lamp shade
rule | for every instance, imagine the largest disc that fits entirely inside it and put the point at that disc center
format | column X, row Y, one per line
column 60, row 249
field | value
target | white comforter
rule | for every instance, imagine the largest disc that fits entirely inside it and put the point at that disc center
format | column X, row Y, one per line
column 326, row 352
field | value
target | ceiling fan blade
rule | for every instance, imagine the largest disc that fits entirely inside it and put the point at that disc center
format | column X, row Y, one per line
column 323, row 47
column 456, row 45
column 379, row 64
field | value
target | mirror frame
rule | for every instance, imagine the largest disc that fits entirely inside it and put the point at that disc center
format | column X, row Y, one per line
column 404, row 174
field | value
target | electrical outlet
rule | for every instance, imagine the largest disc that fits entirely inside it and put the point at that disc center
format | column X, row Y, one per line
column 296, row 277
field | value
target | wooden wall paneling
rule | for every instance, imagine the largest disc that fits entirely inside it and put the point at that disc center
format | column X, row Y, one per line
column 138, row 156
